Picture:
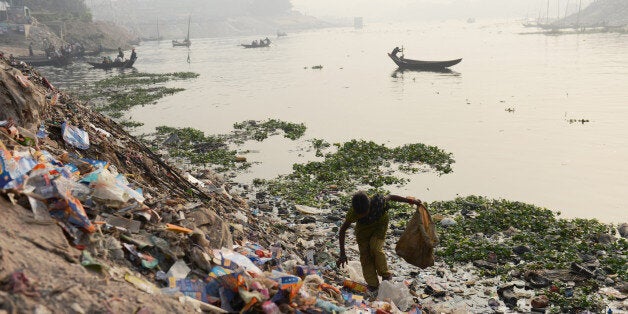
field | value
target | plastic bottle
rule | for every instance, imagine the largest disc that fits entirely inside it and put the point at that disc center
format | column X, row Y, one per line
column 355, row 286
column 41, row 133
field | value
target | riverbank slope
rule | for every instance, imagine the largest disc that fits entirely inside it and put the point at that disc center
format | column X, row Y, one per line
column 142, row 216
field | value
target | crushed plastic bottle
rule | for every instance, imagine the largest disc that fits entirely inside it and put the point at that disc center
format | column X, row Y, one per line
column 41, row 132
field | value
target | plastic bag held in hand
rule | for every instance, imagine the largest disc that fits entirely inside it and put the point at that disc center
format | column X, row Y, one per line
column 416, row 244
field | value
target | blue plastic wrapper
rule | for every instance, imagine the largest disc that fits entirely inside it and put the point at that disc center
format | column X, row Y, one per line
column 77, row 215
column 41, row 132
column 75, row 136
column 5, row 176
column 51, row 159
column 96, row 163
column 194, row 288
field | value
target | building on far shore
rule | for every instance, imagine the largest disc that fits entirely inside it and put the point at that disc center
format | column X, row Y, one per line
column 15, row 17
column 358, row 22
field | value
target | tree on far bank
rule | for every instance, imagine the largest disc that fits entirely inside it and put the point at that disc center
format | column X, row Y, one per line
column 59, row 9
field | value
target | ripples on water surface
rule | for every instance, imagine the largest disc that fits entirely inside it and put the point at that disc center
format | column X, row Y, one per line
column 532, row 154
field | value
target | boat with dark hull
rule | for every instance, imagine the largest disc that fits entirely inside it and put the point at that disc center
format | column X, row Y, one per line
column 106, row 66
column 410, row 64
column 184, row 43
column 40, row 61
column 262, row 45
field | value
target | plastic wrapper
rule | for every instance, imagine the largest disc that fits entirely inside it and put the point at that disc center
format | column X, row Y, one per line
column 194, row 288
column 77, row 215
column 397, row 292
column 74, row 136
column 47, row 157
column 14, row 167
column 237, row 258
column 40, row 210
column 106, row 188
column 5, row 159
column 40, row 182
column 354, row 271
column 100, row 130
column 65, row 186
column 96, row 163
column 41, row 132
column 179, row 270
column 287, row 282
column 24, row 162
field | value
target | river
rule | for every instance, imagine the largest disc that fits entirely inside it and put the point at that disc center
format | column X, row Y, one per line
column 503, row 112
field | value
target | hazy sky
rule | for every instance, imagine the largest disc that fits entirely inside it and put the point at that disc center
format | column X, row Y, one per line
column 435, row 9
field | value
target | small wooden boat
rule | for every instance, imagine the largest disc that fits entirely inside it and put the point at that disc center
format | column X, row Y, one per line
column 265, row 44
column 106, row 66
column 40, row 61
column 404, row 63
column 186, row 42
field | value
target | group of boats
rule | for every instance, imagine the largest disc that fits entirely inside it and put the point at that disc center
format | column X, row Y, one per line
column 61, row 61
column 402, row 62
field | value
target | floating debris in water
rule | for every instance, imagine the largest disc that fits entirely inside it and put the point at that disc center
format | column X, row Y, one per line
column 583, row 121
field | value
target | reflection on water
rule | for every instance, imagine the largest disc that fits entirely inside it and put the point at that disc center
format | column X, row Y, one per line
column 398, row 73
column 529, row 154
column 74, row 76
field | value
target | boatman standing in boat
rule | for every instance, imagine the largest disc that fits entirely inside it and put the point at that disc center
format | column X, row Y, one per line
column 395, row 51
column 120, row 53
column 371, row 217
column 133, row 54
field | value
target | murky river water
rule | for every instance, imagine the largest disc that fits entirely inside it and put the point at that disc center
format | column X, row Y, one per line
column 532, row 154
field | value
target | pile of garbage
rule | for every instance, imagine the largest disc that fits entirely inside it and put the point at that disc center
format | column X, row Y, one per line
column 104, row 215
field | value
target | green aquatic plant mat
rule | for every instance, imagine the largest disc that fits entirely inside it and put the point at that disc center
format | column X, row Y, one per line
column 116, row 95
column 196, row 147
column 126, row 80
column 260, row 130
column 357, row 164
column 497, row 226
